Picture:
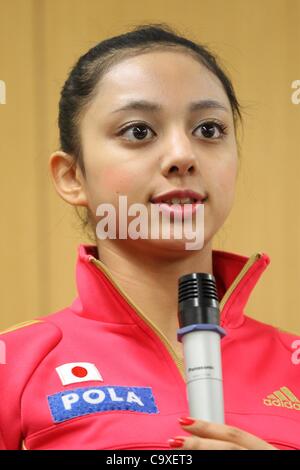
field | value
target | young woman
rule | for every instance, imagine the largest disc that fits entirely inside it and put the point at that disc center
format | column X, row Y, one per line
column 148, row 115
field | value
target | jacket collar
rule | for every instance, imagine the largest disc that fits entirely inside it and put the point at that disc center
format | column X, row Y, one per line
column 99, row 292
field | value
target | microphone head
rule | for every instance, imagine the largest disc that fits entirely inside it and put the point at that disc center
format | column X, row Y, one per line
column 198, row 300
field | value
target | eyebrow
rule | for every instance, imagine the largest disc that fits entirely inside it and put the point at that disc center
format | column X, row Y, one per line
column 144, row 105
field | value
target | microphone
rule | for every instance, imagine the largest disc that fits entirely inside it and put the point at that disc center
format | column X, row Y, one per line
column 200, row 335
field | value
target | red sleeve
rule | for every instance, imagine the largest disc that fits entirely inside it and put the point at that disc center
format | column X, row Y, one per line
column 25, row 348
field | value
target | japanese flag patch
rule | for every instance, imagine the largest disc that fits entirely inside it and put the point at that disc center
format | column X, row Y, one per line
column 74, row 372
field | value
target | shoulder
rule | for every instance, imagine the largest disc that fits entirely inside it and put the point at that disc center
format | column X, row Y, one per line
column 28, row 342
column 266, row 332
column 30, row 330
column 292, row 342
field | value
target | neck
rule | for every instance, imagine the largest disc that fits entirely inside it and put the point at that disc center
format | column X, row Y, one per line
column 151, row 279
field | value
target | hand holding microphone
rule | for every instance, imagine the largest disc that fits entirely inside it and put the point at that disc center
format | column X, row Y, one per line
column 200, row 334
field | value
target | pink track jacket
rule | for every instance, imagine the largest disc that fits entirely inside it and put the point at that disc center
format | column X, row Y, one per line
column 100, row 375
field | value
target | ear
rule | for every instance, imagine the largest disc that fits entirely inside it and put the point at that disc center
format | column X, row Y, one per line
column 68, row 178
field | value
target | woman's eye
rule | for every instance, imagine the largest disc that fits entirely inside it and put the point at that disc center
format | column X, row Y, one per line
column 212, row 130
column 139, row 132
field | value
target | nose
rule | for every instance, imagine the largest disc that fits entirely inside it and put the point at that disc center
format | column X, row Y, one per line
column 180, row 159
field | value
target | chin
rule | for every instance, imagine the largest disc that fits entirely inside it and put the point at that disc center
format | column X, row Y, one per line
column 166, row 248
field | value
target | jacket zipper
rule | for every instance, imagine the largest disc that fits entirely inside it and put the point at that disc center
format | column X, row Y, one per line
column 251, row 261
column 179, row 362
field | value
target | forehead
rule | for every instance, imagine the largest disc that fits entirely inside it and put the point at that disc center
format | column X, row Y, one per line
column 171, row 78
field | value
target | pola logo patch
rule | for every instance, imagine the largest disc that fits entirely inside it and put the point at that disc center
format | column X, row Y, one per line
column 74, row 372
column 88, row 400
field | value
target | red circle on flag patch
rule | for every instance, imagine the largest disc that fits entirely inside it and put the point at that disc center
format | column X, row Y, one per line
column 79, row 371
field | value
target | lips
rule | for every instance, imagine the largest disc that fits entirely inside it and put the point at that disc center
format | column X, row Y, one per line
column 179, row 194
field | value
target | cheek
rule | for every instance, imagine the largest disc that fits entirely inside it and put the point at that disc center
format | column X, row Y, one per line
column 227, row 178
column 113, row 180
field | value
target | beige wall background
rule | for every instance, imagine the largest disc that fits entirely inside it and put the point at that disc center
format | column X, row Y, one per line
column 259, row 44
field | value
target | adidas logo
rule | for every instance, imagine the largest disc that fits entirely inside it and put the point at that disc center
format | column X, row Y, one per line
column 284, row 398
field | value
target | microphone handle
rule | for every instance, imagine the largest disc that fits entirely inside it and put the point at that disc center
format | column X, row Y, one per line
column 203, row 368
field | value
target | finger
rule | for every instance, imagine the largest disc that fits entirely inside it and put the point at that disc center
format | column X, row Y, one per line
column 223, row 432
column 197, row 443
